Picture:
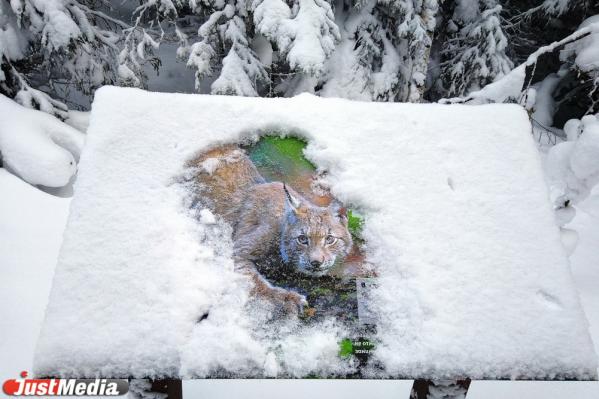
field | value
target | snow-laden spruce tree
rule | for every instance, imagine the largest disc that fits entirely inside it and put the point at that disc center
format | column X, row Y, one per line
column 417, row 21
column 152, row 21
column 302, row 35
column 564, row 78
column 369, row 49
column 55, row 42
column 384, row 52
column 225, row 40
column 45, row 43
column 559, row 7
column 374, row 50
column 556, row 80
column 472, row 47
column 249, row 48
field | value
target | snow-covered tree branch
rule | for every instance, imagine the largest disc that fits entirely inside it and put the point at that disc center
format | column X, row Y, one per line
column 42, row 41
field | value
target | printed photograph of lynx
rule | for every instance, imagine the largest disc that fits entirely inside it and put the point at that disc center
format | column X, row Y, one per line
column 272, row 223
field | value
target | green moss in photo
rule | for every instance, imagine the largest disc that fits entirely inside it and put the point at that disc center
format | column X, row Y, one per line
column 355, row 223
column 280, row 158
column 346, row 348
column 360, row 347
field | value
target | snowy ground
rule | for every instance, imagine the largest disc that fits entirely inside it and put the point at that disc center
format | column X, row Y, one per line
column 31, row 223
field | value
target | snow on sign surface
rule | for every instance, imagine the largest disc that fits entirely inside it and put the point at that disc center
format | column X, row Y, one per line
column 471, row 279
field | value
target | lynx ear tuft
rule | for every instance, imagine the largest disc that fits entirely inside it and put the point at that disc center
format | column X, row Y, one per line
column 339, row 210
column 291, row 200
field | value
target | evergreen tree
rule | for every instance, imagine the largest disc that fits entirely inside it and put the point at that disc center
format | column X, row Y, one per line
column 366, row 64
column 416, row 28
column 384, row 54
column 53, row 42
column 472, row 48
column 567, row 88
column 302, row 37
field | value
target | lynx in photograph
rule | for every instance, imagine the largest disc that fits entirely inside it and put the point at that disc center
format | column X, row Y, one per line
column 270, row 221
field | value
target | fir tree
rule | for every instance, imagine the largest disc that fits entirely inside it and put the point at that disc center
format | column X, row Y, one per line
column 53, row 42
column 384, row 54
column 472, row 49
column 226, row 33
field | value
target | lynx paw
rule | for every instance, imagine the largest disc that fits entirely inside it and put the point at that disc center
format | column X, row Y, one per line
column 297, row 302
column 291, row 302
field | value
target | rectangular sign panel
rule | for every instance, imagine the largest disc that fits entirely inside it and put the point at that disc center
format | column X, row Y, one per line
column 225, row 237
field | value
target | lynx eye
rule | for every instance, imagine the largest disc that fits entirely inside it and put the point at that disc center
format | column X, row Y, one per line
column 330, row 240
column 302, row 239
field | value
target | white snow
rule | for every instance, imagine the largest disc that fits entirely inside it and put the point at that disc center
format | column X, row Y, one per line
column 473, row 278
column 31, row 226
column 572, row 166
column 306, row 35
column 269, row 16
column 585, row 270
column 586, row 50
column 35, row 241
column 37, row 146
column 58, row 27
column 78, row 119
column 313, row 34
column 543, row 104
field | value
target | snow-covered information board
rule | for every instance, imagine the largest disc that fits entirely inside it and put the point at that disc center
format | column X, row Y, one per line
column 387, row 241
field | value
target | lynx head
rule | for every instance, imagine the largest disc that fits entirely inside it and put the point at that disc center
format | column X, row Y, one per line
column 313, row 238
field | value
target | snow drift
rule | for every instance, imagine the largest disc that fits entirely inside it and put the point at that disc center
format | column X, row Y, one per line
column 473, row 279
column 31, row 226
column 36, row 146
